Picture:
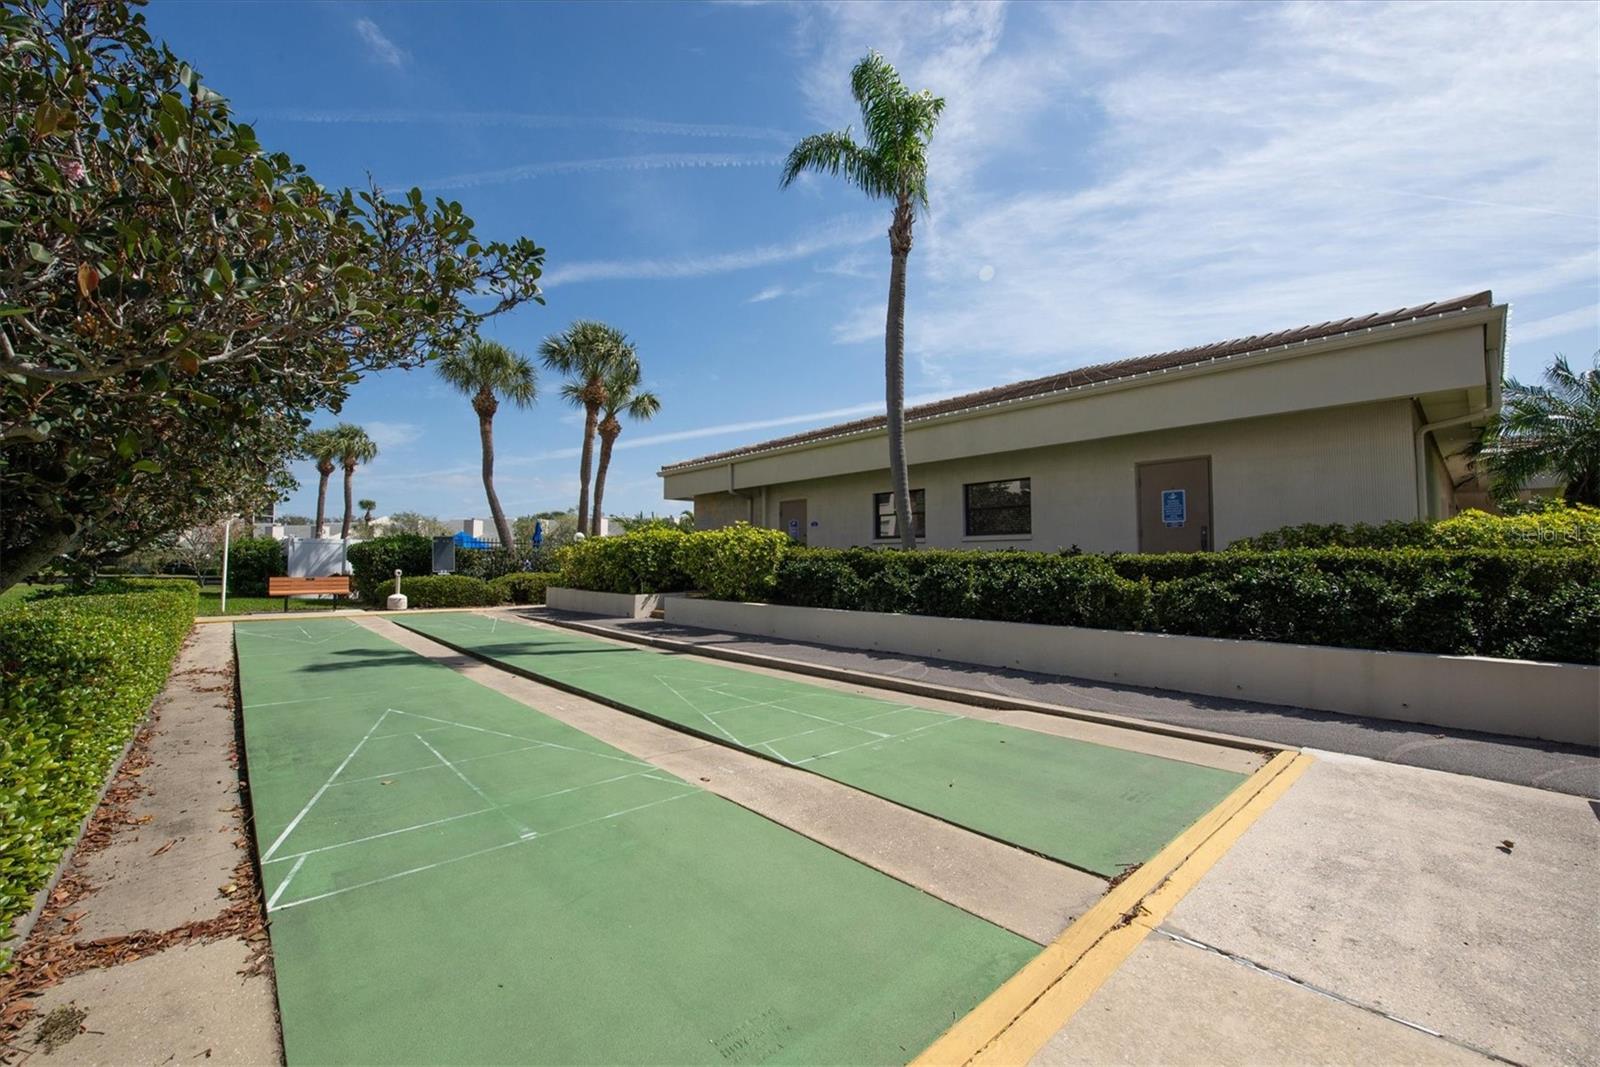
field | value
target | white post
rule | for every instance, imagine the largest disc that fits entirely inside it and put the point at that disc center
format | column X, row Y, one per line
column 227, row 530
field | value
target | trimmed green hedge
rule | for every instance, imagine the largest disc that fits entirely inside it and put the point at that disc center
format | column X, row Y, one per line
column 373, row 563
column 79, row 673
column 738, row 562
column 448, row 591
column 1517, row 603
column 1550, row 525
column 251, row 561
column 645, row 561
column 524, row 587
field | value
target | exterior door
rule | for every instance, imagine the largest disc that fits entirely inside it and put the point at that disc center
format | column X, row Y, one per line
column 1175, row 505
column 792, row 519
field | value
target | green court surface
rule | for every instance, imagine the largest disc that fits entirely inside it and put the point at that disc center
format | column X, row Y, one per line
column 454, row 877
column 1092, row 806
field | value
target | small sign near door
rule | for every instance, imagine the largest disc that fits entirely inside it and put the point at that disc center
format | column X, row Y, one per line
column 1174, row 507
column 794, row 529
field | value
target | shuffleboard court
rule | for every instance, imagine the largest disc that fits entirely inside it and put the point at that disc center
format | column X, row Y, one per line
column 454, row 877
column 1093, row 806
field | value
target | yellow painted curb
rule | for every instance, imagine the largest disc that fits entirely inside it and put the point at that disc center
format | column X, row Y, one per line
column 1015, row 1021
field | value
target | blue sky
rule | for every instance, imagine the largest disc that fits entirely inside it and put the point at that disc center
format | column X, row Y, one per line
column 1108, row 180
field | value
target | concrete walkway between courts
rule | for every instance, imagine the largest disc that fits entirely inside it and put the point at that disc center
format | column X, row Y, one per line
column 1376, row 914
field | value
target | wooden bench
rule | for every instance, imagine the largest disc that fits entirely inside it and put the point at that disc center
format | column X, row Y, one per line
column 338, row 585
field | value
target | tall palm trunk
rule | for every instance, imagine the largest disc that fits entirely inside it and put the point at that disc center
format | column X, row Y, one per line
column 322, row 501
column 349, row 501
column 591, row 412
column 486, row 407
column 894, row 371
column 608, row 438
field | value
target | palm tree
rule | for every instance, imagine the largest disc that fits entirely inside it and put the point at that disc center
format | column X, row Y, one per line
column 355, row 448
column 586, row 352
column 488, row 372
column 1552, row 428
column 892, row 165
column 367, row 507
column 623, row 396
column 322, row 446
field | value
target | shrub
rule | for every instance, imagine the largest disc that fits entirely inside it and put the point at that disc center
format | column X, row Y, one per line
column 79, row 674
column 641, row 562
column 1548, row 525
column 374, row 562
column 1518, row 603
column 489, row 563
column 524, row 587
column 448, row 591
column 251, row 561
column 738, row 562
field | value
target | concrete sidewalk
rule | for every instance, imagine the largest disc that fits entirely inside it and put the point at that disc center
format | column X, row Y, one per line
column 151, row 949
column 1542, row 764
column 1379, row 914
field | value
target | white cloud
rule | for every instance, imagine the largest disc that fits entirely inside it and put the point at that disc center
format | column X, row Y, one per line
column 1148, row 177
column 840, row 233
column 650, row 161
column 524, row 120
column 1585, row 319
column 379, row 46
column 771, row 292
column 391, row 435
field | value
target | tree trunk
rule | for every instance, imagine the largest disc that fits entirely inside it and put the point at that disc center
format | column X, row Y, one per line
column 584, row 467
column 349, row 503
column 894, row 373
column 322, row 503
column 501, row 527
column 24, row 562
column 606, row 441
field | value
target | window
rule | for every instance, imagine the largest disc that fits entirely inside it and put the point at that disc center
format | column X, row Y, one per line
column 999, row 507
column 883, row 527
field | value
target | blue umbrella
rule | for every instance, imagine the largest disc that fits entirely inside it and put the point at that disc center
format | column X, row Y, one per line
column 538, row 533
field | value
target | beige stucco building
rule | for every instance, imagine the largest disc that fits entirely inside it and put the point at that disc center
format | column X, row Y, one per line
column 1359, row 420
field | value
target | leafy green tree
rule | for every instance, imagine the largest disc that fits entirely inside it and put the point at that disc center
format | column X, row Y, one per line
column 586, row 352
column 488, row 372
column 174, row 297
column 560, row 528
column 623, row 397
column 414, row 522
column 892, row 165
column 1549, row 429
column 322, row 448
column 355, row 448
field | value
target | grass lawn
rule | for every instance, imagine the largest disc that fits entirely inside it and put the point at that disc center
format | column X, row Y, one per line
column 211, row 603
column 20, row 592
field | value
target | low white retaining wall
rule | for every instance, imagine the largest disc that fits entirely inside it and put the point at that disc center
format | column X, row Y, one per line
column 611, row 605
column 1549, row 701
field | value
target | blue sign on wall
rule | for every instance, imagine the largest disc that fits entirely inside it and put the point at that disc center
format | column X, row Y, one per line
column 1174, row 507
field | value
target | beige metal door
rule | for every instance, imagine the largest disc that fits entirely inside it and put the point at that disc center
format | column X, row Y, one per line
column 792, row 519
column 1175, row 505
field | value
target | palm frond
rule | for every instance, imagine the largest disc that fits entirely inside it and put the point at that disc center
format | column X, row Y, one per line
column 837, row 154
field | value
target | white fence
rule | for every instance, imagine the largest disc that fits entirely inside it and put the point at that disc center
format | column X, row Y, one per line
column 318, row 557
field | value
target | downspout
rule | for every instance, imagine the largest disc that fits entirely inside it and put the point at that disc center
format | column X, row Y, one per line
column 1493, row 368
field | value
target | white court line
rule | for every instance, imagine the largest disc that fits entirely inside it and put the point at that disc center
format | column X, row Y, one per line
column 521, row 826
column 897, row 737
column 407, row 733
column 725, row 732
column 278, row 703
column 466, row 815
column 532, row 740
column 278, row 892
column 480, row 852
column 776, row 706
column 287, row 830
column 279, row 637
column 286, row 857
column 432, row 766
column 820, row 729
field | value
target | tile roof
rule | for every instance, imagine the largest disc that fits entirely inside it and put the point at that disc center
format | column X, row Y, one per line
column 1106, row 372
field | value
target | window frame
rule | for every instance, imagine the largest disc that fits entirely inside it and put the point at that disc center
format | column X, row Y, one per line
column 967, row 508
column 878, row 516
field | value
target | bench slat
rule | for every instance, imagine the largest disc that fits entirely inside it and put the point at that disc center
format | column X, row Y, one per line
column 291, row 586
